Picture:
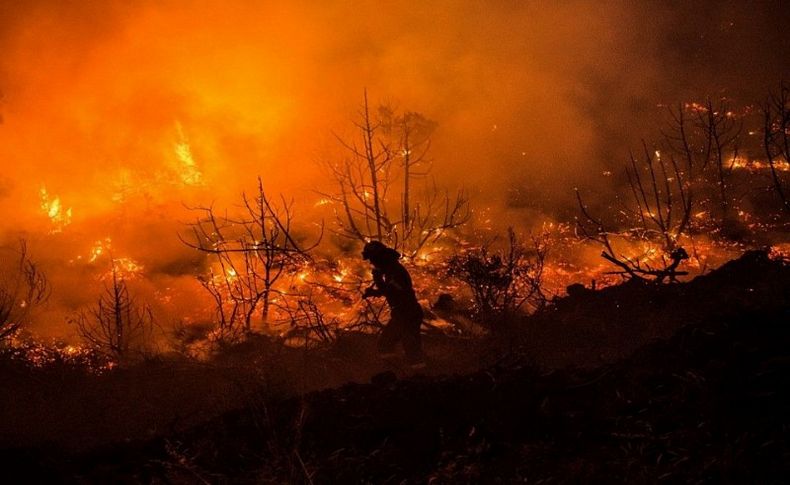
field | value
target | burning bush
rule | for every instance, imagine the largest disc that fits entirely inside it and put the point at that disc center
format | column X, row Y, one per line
column 503, row 281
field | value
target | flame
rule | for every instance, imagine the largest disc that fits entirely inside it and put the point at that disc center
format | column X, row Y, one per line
column 125, row 268
column 742, row 163
column 190, row 175
column 780, row 251
column 339, row 277
column 99, row 248
column 696, row 107
column 53, row 209
column 71, row 350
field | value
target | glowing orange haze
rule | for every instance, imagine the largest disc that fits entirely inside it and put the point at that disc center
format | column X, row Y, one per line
column 116, row 113
column 97, row 97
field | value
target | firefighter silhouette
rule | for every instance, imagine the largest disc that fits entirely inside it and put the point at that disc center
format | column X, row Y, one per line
column 392, row 281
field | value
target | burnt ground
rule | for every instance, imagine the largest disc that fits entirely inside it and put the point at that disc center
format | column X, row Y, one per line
column 630, row 384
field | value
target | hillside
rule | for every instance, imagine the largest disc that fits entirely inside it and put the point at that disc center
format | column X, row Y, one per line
column 705, row 404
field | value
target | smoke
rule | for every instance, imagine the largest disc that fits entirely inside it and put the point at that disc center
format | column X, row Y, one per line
column 126, row 111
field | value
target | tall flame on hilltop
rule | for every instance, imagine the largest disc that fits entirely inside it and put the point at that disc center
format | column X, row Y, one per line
column 190, row 175
column 52, row 207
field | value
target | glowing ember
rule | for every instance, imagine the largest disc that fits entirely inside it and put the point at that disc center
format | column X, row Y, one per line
column 741, row 163
column 99, row 248
column 125, row 268
column 339, row 277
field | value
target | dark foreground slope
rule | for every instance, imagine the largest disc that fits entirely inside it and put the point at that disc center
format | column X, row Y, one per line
column 707, row 405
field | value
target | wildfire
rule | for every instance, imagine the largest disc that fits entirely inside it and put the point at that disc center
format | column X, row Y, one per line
column 781, row 251
column 340, row 276
column 741, row 163
column 190, row 175
column 52, row 208
column 99, row 247
column 696, row 107
column 41, row 354
column 125, row 268
column 428, row 254
column 302, row 276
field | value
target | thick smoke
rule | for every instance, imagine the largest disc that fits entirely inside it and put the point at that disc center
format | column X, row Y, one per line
column 126, row 111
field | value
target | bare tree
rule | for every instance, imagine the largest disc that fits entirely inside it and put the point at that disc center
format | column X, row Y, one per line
column 117, row 325
column 392, row 148
column 706, row 137
column 251, row 254
column 776, row 140
column 24, row 287
column 661, row 196
column 722, row 130
column 308, row 322
column 503, row 281
column 661, row 207
column 684, row 141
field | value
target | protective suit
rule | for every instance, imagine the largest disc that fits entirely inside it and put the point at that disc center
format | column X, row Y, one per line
column 392, row 281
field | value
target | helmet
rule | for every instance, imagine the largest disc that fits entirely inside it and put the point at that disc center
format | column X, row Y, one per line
column 376, row 250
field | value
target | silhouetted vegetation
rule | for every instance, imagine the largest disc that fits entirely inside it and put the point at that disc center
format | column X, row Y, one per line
column 776, row 140
column 250, row 253
column 705, row 404
column 503, row 280
column 117, row 325
column 23, row 287
column 390, row 156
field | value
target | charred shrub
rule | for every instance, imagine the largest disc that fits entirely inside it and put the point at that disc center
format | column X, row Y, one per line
column 503, row 280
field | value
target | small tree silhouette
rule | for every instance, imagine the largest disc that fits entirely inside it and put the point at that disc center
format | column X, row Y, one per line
column 117, row 325
column 24, row 286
